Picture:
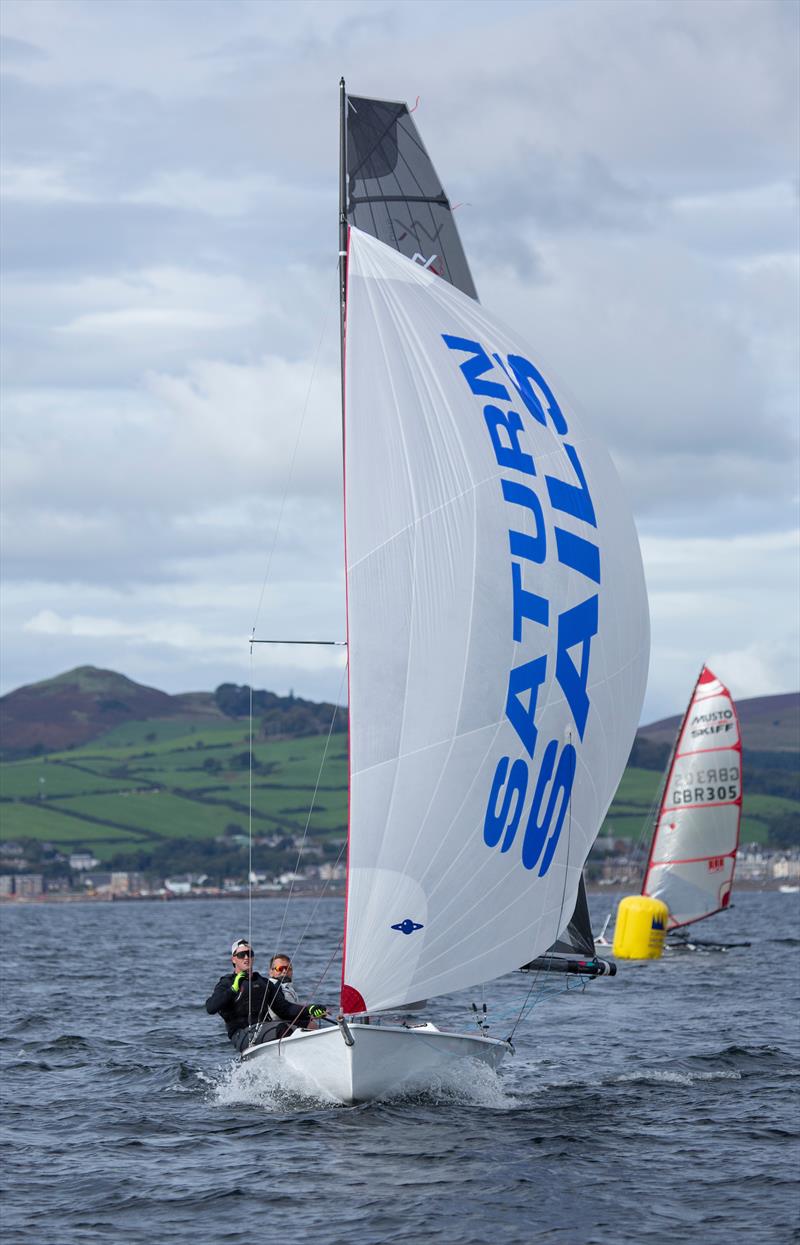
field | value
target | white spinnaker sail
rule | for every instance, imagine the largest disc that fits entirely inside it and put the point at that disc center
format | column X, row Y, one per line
column 693, row 853
column 498, row 640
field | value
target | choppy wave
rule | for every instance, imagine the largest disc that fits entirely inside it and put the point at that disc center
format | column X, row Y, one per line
column 654, row 1106
column 260, row 1083
column 676, row 1076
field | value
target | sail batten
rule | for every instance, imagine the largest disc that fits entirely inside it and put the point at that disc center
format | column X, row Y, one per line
column 692, row 856
column 495, row 684
column 394, row 193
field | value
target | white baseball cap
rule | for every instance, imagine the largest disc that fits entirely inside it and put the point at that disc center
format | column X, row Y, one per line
column 240, row 942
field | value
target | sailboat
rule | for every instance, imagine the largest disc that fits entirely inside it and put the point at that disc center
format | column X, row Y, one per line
column 497, row 631
column 692, row 858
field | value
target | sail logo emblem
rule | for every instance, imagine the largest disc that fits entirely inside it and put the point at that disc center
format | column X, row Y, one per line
column 556, row 485
column 711, row 722
column 417, row 258
column 407, row 926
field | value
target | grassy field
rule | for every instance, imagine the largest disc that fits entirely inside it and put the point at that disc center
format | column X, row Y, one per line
column 150, row 781
column 31, row 780
column 634, row 808
column 142, row 734
column 45, row 822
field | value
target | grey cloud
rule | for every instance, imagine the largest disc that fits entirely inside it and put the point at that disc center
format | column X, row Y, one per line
column 624, row 171
column 15, row 51
column 129, row 553
column 563, row 192
column 544, row 195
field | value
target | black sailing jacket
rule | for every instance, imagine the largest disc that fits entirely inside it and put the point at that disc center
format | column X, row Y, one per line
column 253, row 1003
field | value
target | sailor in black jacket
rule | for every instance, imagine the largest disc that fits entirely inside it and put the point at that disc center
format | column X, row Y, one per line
column 253, row 1007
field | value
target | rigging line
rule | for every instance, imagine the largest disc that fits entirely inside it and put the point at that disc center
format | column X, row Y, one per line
column 653, row 818
column 250, row 837
column 560, row 915
column 325, row 319
column 566, row 865
column 533, row 984
column 320, row 897
column 311, row 807
column 309, row 1001
column 560, row 910
column 326, row 969
column 650, row 822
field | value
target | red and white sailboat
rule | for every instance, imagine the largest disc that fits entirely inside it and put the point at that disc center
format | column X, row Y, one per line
column 692, row 856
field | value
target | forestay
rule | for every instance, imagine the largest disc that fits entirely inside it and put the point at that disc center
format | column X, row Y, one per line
column 693, row 853
column 498, row 639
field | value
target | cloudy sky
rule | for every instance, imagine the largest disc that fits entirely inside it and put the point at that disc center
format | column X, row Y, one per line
column 628, row 174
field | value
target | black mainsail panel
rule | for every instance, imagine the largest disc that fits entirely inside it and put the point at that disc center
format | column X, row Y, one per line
column 394, row 193
column 577, row 938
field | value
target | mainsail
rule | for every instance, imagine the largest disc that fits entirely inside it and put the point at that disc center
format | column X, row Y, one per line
column 498, row 639
column 393, row 191
column 696, row 836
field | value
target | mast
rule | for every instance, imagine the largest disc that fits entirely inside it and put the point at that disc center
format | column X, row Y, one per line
column 665, row 779
column 342, row 317
column 342, row 228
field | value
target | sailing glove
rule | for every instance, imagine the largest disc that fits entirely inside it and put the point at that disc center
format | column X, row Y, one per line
column 237, row 981
column 317, row 1010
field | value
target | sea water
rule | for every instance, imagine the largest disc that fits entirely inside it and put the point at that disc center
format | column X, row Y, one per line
column 660, row 1105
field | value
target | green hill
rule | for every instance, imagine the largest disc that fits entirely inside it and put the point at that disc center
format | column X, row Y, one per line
column 83, row 704
column 171, row 791
column 88, row 704
column 769, row 724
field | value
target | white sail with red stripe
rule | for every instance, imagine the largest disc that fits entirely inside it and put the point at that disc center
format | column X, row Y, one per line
column 693, row 852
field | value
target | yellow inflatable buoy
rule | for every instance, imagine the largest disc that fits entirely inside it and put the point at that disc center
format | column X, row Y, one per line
column 640, row 928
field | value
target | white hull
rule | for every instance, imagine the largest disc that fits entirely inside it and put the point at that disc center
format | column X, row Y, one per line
column 382, row 1059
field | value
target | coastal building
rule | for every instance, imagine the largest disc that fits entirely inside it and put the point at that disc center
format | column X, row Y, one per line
column 332, row 872
column 786, row 868
column 28, row 885
column 178, row 886
column 126, row 882
column 752, row 866
column 97, row 881
column 81, row 861
column 6, row 884
column 12, row 855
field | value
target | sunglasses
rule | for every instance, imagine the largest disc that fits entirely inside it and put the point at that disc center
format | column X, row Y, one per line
column 243, row 955
column 282, row 968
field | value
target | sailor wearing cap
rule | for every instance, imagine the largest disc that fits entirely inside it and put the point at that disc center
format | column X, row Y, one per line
column 256, row 1009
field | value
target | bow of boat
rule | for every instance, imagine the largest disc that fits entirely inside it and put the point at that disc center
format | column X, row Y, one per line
column 382, row 1059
